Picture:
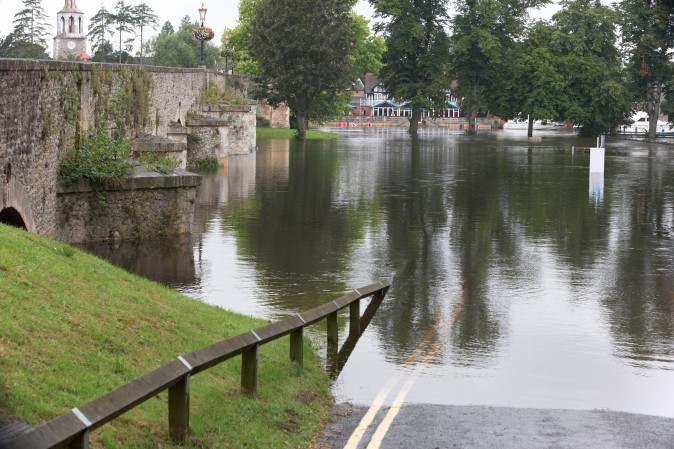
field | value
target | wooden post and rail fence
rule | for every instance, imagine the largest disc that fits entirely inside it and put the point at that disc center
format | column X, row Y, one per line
column 71, row 430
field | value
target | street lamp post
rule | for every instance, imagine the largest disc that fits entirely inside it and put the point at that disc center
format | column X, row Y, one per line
column 202, row 15
column 226, row 53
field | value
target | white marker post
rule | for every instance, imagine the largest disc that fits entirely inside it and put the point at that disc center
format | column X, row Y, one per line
column 597, row 156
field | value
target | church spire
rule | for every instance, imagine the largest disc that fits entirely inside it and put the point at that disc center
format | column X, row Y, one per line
column 70, row 6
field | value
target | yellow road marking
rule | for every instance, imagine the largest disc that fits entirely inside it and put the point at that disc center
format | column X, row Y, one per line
column 384, row 426
column 365, row 422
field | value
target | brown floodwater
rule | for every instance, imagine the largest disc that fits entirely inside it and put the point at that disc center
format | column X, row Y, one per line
column 520, row 280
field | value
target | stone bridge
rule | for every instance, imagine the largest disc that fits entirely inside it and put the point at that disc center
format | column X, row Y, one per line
column 46, row 105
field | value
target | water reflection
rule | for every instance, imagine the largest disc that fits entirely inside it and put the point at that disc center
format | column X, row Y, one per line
column 528, row 293
column 596, row 188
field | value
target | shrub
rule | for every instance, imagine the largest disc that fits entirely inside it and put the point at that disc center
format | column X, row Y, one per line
column 98, row 158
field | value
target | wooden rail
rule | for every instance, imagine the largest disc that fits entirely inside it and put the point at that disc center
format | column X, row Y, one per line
column 71, row 430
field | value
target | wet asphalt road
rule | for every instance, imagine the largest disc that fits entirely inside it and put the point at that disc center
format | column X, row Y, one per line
column 444, row 427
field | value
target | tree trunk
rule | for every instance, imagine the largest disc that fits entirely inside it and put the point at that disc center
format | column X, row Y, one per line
column 530, row 128
column 472, row 114
column 414, row 120
column 301, row 132
column 653, row 100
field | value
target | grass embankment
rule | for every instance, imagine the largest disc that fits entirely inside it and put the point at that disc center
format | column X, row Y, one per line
column 73, row 327
column 283, row 133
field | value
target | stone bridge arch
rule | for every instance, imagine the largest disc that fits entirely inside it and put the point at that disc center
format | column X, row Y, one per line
column 15, row 208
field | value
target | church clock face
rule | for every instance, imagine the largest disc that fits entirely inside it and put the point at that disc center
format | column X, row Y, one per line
column 71, row 45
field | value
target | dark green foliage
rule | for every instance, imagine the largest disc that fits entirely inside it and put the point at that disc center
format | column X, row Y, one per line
column 531, row 85
column 415, row 59
column 596, row 97
column 648, row 36
column 302, row 49
column 483, row 33
column 10, row 47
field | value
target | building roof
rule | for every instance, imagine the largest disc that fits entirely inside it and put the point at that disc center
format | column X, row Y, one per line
column 371, row 81
column 70, row 6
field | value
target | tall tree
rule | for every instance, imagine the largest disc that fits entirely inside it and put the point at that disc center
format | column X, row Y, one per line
column 144, row 16
column 415, row 59
column 648, row 35
column 483, row 31
column 100, row 27
column 235, row 41
column 302, row 48
column 31, row 24
column 590, row 62
column 123, row 20
column 531, row 85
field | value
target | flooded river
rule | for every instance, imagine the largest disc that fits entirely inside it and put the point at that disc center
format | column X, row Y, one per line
column 520, row 280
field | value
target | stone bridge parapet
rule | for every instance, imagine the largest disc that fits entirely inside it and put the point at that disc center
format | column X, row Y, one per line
column 46, row 105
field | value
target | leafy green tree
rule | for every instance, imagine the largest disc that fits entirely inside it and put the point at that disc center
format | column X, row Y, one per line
column 589, row 61
column 31, row 24
column 235, row 41
column 648, row 35
column 531, row 85
column 303, row 50
column 367, row 57
column 483, row 33
column 415, row 60
column 179, row 49
column 144, row 16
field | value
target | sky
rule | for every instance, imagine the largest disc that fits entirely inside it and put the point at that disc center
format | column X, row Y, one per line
column 221, row 14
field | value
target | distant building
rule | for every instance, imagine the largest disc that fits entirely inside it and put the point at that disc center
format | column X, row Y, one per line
column 370, row 98
column 71, row 38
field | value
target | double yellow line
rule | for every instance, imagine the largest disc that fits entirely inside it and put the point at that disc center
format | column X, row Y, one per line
column 428, row 356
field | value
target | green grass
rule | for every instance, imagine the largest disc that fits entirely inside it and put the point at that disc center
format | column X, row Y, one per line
column 283, row 133
column 73, row 327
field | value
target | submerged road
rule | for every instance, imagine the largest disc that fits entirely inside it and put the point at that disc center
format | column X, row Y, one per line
column 474, row 427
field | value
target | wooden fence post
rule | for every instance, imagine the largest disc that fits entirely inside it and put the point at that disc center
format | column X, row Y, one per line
column 354, row 318
column 81, row 442
column 333, row 335
column 249, row 370
column 297, row 346
column 179, row 410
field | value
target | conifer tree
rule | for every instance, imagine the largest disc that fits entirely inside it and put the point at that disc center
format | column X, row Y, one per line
column 31, row 24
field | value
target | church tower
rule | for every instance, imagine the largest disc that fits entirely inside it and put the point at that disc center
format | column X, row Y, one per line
column 70, row 36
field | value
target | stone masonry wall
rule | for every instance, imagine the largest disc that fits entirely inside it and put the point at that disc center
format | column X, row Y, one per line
column 222, row 130
column 147, row 206
column 43, row 104
column 278, row 117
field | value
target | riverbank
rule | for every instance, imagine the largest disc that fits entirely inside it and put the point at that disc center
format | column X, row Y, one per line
column 285, row 133
column 73, row 327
